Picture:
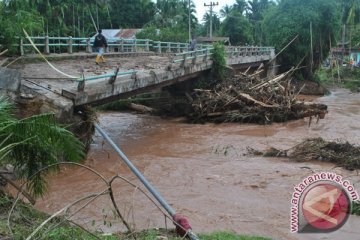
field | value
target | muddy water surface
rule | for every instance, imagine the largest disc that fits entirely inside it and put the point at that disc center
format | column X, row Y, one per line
column 204, row 173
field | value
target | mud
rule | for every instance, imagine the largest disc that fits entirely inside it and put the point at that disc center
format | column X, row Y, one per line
column 203, row 172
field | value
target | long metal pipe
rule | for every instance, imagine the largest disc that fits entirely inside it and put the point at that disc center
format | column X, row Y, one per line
column 106, row 75
column 153, row 191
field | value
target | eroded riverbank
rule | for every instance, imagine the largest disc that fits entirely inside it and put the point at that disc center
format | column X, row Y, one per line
column 203, row 172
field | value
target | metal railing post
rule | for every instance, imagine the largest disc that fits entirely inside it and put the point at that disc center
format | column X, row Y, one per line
column 113, row 78
column 178, row 48
column 47, row 48
column 169, row 47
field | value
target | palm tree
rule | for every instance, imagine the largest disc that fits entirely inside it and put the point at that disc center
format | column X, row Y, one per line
column 215, row 22
column 240, row 6
column 225, row 11
column 33, row 143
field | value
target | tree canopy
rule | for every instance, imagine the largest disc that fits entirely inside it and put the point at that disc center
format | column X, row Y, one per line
column 253, row 22
column 296, row 18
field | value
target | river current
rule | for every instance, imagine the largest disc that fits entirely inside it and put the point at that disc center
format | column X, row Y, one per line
column 205, row 173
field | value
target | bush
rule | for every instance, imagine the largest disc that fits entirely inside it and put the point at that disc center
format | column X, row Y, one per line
column 219, row 61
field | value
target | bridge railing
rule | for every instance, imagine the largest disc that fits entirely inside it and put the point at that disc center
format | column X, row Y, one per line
column 247, row 51
column 49, row 45
column 199, row 54
column 111, row 76
column 70, row 45
column 56, row 44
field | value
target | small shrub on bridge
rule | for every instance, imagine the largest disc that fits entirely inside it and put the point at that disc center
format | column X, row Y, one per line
column 219, row 62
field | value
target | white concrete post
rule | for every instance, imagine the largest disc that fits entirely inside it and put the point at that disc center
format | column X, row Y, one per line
column 47, row 48
column 70, row 45
column 88, row 46
column 122, row 45
column 159, row 47
column 21, row 47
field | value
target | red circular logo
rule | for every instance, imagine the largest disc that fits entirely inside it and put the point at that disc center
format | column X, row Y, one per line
column 326, row 207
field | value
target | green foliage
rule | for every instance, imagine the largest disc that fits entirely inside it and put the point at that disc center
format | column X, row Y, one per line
column 25, row 219
column 165, row 34
column 355, row 39
column 293, row 17
column 356, row 208
column 229, row 236
column 130, row 13
column 344, row 77
column 12, row 23
column 219, row 62
column 36, row 142
column 238, row 28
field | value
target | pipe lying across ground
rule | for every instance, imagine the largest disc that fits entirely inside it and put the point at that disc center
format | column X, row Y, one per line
column 183, row 227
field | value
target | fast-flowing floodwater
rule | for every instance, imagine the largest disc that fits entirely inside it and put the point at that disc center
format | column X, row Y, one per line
column 204, row 173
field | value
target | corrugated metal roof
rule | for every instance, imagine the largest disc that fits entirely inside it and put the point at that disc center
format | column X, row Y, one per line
column 110, row 33
column 127, row 33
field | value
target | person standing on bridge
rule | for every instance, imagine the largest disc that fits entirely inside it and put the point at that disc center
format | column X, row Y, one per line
column 192, row 45
column 100, row 44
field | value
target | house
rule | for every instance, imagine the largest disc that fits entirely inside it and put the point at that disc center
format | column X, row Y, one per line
column 117, row 36
column 208, row 40
column 344, row 51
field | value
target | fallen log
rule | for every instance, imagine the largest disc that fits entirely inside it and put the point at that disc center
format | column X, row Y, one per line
column 141, row 108
column 249, row 98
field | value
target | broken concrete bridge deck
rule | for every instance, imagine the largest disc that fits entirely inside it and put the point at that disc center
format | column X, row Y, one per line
column 62, row 94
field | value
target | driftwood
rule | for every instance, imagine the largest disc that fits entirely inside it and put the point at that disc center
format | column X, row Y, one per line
column 3, row 52
column 246, row 97
column 140, row 108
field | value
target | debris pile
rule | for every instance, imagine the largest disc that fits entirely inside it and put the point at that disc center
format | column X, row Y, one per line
column 250, row 98
column 339, row 152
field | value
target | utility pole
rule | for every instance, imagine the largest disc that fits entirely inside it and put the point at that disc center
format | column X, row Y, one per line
column 189, row 20
column 211, row 5
column 343, row 42
column 311, row 48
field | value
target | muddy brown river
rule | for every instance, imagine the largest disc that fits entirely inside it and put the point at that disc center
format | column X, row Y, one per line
column 204, row 173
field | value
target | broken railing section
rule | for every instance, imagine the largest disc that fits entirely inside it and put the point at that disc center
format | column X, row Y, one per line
column 112, row 78
column 182, row 58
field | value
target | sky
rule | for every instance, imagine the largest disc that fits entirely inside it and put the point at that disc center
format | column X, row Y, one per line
column 201, row 10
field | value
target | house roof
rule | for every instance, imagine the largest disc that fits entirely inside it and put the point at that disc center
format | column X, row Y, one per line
column 213, row 39
column 127, row 33
column 120, row 33
column 110, row 33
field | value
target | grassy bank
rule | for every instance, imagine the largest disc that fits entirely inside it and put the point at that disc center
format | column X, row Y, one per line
column 342, row 77
column 356, row 208
column 26, row 219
